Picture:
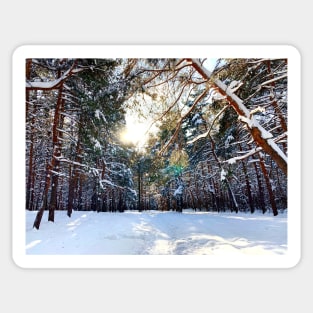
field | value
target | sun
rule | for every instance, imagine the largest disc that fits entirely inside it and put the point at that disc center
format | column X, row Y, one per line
column 135, row 132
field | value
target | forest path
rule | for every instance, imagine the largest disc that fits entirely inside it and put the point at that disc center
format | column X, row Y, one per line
column 157, row 233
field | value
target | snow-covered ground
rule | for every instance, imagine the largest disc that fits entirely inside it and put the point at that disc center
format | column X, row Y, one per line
column 157, row 233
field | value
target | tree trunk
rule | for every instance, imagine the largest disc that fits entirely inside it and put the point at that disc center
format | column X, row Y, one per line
column 54, row 163
column 71, row 187
column 260, row 187
column 45, row 197
column 73, row 180
column 28, row 74
column 56, row 140
column 244, row 168
column 269, row 186
column 139, row 186
column 30, row 174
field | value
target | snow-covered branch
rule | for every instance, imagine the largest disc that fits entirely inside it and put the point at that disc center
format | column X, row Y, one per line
column 54, row 84
column 273, row 80
column 207, row 133
column 245, row 156
column 262, row 137
column 253, row 151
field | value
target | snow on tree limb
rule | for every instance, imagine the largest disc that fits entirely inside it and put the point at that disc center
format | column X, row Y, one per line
column 207, row 133
column 54, row 84
column 274, row 80
column 252, row 151
column 242, row 157
column 262, row 137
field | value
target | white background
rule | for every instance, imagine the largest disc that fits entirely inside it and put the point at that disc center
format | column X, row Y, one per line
column 162, row 22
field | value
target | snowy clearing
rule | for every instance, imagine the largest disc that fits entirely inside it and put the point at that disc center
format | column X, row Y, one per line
column 157, row 233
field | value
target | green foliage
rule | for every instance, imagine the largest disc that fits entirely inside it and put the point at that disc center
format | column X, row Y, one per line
column 179, row 159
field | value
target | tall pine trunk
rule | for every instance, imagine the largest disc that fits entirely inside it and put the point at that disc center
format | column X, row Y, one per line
column 260, row 186
column 269, row 186
column 30, row 174
column 56, row 140
column 244, row 168
column 45, row 197
column 51, row 167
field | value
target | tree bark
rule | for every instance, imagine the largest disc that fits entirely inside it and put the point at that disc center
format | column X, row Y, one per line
column 247, row 184
column 52, row 165
column 45, row 197
column 260, row 185
column 269, row 187
column 30, row 175
column 56, row 135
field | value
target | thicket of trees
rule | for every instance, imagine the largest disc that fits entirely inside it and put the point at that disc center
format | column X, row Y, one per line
column 221, row 142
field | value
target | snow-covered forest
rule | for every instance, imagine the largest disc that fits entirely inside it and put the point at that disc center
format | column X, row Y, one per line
column 211, row 139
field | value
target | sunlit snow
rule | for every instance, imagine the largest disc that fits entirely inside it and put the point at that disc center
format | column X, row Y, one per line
column 157, row 233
